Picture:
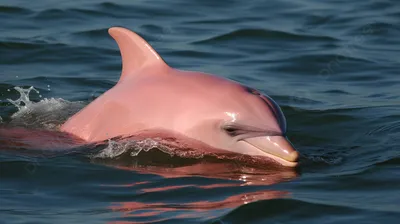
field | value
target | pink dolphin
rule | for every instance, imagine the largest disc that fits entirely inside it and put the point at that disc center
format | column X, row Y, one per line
column 153, row 99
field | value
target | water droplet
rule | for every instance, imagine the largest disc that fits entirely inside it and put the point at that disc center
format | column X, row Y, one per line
column 23, row 101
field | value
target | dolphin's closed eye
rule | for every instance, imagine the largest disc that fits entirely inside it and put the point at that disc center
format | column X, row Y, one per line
column 233, row 131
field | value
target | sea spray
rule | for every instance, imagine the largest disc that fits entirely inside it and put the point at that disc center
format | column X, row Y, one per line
column 134, row 147
column 48, row 113
column 23, row 101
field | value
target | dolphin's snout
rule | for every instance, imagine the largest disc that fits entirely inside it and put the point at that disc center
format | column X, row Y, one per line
column 277, row 147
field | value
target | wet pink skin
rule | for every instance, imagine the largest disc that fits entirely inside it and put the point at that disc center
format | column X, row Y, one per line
column 151, row 96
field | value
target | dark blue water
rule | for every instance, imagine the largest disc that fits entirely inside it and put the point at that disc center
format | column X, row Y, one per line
column 333, row 66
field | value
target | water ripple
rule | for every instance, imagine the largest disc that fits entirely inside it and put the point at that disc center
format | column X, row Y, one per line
column 333, row 66
column 262, row 34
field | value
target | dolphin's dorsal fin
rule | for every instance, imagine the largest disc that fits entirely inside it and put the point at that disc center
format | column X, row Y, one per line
column 135, row 51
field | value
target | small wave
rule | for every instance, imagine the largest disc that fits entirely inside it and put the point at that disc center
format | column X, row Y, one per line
column 281, row 206
column 390, row 162
column 336, row 92
column 139, row 10
column 222, row 21
column 14, row 10
column 328, row 61
column 264, row 35
column 323, row 160
column 16, row 45
column 95, row 33
column 391, row 127
column 375, row 28
column 50, row 14
column 316, row 21
column 90, row 11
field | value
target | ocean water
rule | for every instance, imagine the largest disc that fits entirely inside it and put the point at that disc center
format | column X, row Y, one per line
column 333, row 66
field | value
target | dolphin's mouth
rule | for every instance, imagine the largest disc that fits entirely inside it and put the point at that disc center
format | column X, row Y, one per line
column 277, row 148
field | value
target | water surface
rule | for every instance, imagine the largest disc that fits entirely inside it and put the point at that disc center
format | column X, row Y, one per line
column 333, row 66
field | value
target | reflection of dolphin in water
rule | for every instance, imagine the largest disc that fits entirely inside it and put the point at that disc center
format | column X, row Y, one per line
column 192, row 112
column 231, row 176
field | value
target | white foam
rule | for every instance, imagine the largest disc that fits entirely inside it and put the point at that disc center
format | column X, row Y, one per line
column 47, row 113
column 133, row 147
column 23, row 101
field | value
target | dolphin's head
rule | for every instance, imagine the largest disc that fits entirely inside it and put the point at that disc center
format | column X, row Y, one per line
column 259, row 128
column 243, row 120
